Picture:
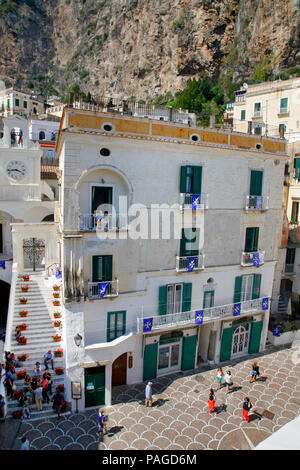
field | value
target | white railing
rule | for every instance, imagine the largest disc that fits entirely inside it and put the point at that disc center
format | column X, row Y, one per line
column 106, row 223
column 189, row 263
column 257, row 114
column 258, row 203
column 289, row 269
column 283, row 110
column 209, row 314
column 193, row 201
column 255, row 258
column 112, row 290
column 20, row 192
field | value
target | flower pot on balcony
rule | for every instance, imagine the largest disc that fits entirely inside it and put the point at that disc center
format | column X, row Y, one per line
column 21, row 374
column 56, row 295
column 55, row 287
column 23, row 357
column 57, row 315
column 24, row 288
column 56, row 338
column 22, row 327
column 23, row 300
column 56, row 303
column 25, row 278
column 58, row 352
column 57, row 323
column 23, row 313
column 22, row 340
column 58, row 370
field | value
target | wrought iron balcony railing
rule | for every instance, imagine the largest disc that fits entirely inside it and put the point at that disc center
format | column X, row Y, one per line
column 189, row 263
column 258, row 203
column 255, row 258
column 103, row 223
column 100, row 290
column 193, row 201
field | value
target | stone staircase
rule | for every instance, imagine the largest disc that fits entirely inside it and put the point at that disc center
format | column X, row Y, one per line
column 39, row 332
column 282, row 305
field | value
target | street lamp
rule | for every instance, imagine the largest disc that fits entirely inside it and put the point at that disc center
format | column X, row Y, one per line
column 78, row 339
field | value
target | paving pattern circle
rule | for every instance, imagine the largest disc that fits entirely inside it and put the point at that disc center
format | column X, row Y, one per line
column 179, row 418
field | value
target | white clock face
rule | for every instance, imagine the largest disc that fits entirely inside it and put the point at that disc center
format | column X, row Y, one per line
column 16, row 170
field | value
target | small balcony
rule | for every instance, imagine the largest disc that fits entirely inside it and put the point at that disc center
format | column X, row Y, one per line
column 193, row 201
column 256, row 203
column 189, row 263
column 110, row 222
column 284, row 110
column 255, row 258
column 257, row 115
column 175, row 320
column 290, row 269
column 103, row 290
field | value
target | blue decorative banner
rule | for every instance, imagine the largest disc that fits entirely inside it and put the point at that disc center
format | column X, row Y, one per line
column 199, row 317
column 276, row 330
column 2, row 264
column 265, row 303
column 191, row 263
column 236, row 309
column 258, row 202
column 58, row 273
column 102, row 286
column 255, row 259
column 195, row 200
column 147, row 324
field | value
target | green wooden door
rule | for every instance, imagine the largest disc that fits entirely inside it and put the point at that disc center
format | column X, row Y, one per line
column 150, row 361
column 226, row 344
column 251, row 241
column 256, row 183
column 188, row 352
column 94, row 386
column 255, row 336
column 102, row 268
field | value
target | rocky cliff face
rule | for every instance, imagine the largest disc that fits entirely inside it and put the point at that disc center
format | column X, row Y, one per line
column 144, row 48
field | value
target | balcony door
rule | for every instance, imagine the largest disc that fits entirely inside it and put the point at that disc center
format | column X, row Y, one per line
column 102, row 268
column 169, row 353
column 100, row 195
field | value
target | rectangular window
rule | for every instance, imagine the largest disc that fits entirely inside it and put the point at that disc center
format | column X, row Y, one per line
column 247, row 287
column 189, row 243
column 190, row 179
column 251, row 240
column 256, row 180
column 297, row 168
column 258, row 130
column 116, row 325
column 102, row 268
column 295, row 211
column 25, row 104
column 7, row 104
column 284, row 105
column 243, row 115
column 257, row 109
column 290, row 256
column 208, row 300
column 174, row 298
column 17, row 102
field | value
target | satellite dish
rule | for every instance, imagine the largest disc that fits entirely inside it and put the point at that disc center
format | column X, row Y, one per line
column 245, row 85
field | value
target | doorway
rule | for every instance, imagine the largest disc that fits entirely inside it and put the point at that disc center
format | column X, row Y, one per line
column 94, row 386
column 169, row 356
column 119, row 370
column 240, row 341
column 101, row 195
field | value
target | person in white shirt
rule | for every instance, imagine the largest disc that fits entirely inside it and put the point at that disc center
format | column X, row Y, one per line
column 228, row 381
column 25, row 444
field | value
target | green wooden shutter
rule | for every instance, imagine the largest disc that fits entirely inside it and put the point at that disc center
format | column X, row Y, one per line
column 189, row 346
column 197, row 179
column 243, row 115
column 97, row 268
column 107, row 268
column 251, row 241
column 295, row 211
column 162, row 300
column 150, row 361
column 226, row 344
column 237, row 289
column 290, row 255
column 193, row 235
column 187, row 297
column 256, row 286
column 256, row 183
column 255, row 336
column 183, row 172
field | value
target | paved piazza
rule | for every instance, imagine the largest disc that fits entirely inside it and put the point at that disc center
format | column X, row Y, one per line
column 179, row 418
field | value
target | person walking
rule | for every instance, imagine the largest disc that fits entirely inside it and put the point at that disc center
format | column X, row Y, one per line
column 148, row 393
column 57, row 402
column 44, row 384
column 38, row 393
column 211, row 401
column 48, row 376
column 9, row 382
column 254, row 372
column 48, row 357
column 220, row 376
column 101, row 422
column 228, row 381
column 246, row 408
column 25, row 444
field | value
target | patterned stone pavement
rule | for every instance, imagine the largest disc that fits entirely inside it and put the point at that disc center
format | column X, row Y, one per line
column 179, row 418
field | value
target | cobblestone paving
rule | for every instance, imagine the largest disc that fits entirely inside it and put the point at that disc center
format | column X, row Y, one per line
column 179, row 418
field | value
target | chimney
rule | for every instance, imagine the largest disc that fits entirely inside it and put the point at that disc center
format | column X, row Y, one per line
column 249, row 127
column 170, row 113
column 212, row 121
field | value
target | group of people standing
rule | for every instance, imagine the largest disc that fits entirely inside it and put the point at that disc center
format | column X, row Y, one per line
column 227, row 380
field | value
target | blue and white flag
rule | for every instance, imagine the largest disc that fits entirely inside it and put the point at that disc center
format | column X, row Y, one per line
column 265, row 303
column 147, row 324
column 58, row 273
column 236, row 309
column 191, row 263
column 276, row 330
column 255, row 259
column 2, row 264
column 258, row 202
column 199, row 317
column 195, row 200
column 102, row 286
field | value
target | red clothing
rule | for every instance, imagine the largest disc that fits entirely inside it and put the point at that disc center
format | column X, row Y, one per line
column 245, row 415
column 211, row 405
column 45, row 383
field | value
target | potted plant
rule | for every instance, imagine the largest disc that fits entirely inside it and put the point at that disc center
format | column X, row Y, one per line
column 60, row 388
column 57, row 315
column 17, row 414
column 24, row 288
column 23, row 313
column 22, row 327
column 25, row 277
column 59, row 370
column 58, row 352
column 57, row 323
column 23, row 357
column 56, row 303
column 56, row 295
column 23, row 300
column 17, row 394
column 57, row 337
column 21, row 374
column 56, row 287
column 22, row 340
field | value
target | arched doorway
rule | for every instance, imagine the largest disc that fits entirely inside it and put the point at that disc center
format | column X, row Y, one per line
column 119, row 370
column 240, row 340
column 4, row 292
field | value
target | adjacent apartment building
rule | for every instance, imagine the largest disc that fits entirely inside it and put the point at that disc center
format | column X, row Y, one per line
column 142, row 299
